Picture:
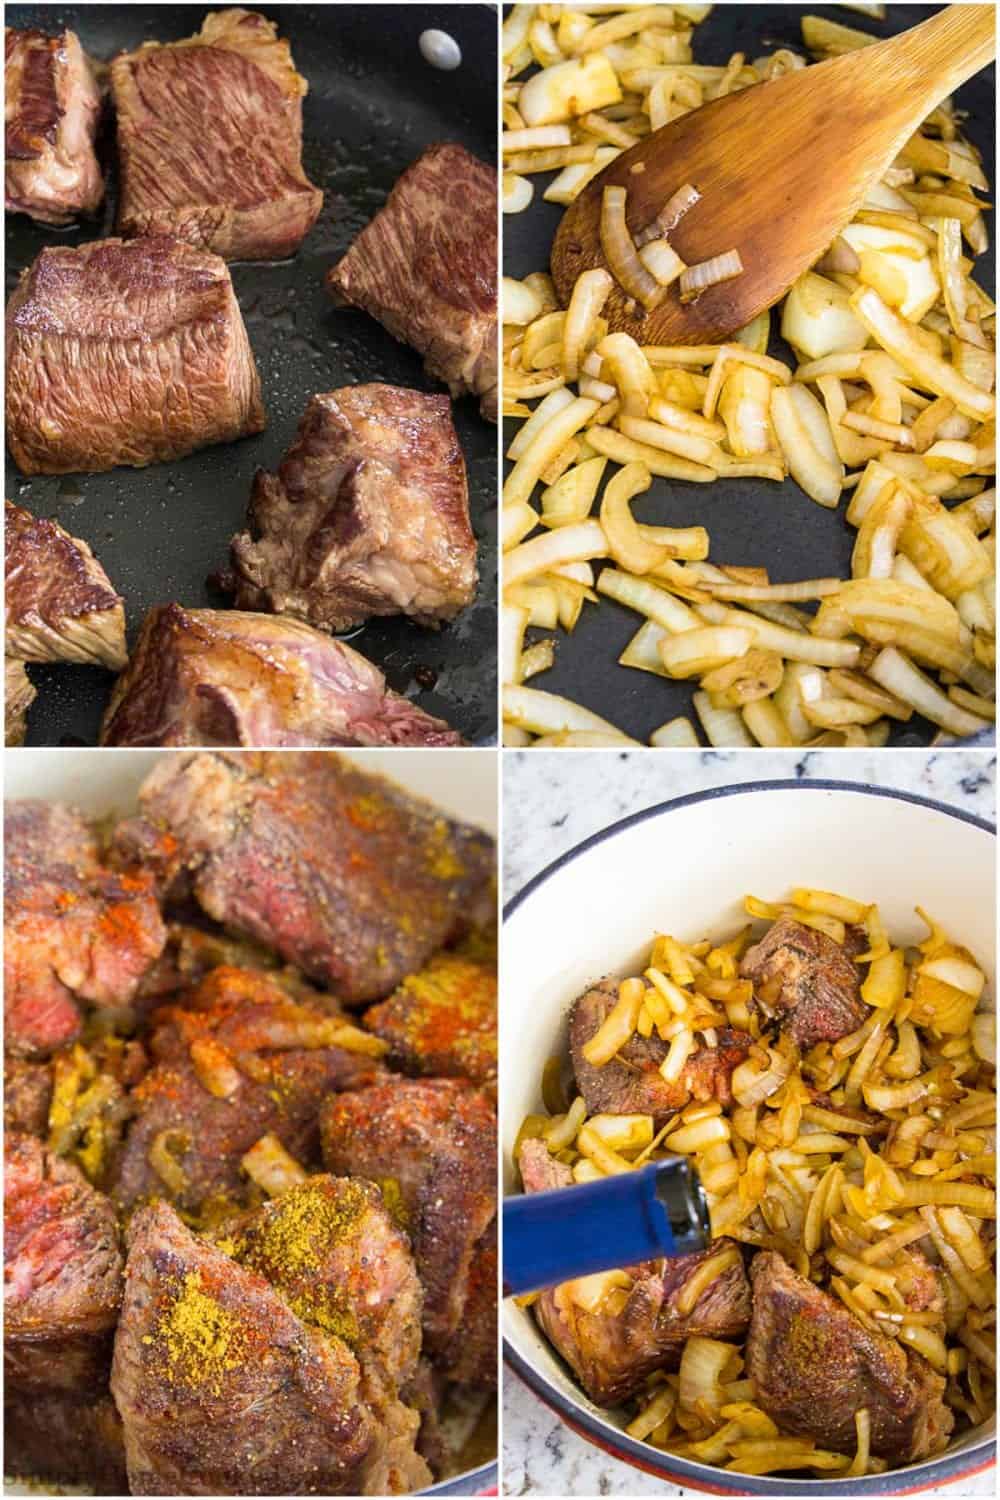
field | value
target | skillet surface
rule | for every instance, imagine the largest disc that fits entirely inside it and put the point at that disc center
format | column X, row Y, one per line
column 751, row 522
column 372, row 107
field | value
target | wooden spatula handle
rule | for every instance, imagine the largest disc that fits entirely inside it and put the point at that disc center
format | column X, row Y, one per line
column 928, row 63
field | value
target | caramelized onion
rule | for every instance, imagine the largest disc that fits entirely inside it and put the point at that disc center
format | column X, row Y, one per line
column 620, row 253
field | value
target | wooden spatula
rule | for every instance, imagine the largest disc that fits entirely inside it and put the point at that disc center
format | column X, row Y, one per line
column 781, row 168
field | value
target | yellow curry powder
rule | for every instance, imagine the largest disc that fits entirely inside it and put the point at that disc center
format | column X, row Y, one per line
column 293, row 1240
column 201, row 1341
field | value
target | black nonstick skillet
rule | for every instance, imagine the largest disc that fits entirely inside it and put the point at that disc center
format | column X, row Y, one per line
column 374, row 103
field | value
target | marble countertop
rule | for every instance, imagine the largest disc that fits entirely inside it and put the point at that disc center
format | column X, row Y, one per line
column 553, row 800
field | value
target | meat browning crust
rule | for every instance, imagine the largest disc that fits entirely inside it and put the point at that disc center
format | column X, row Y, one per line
column 431, row 1145
column 368, row 514
column 221, row 677
column 814, row 1365
column 613, row 1353
column 280, row 1081
column 62, row 1276
column 357, row 898
column 60, row 602
column 631, row 1082
column 442, row 1021
column 426, row 268
column 125, row 353
column 184, row 1397
column 74, row 931
column 53, row 108
column 806, row 982
column 210, row 140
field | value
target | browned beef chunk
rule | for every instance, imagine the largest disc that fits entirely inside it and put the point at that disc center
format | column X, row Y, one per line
column 125, row 353
column 424, row 1392
column 53, row 107
column 341, row 1262
column 220, row 677
column 612, row 1353
column 631, row 1082
column 210, row 140
column 60, row 603
column 65, row 1439
column 442, row 1021
column 426, row 268
column 19, row 695
column 367, row 515
column 431, row 1146
column 185, row 1399
column 345, row 875
column 470, row 1356
column 74, row 931
column 280, row 1061
column 27, row 1092
column 806, row 982
column 814, row 1365
column 62, row 1273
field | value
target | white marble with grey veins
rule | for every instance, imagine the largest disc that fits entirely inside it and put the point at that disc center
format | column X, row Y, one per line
column 551, row 801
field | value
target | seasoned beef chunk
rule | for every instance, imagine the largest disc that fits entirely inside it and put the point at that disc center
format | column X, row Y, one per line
column 125, row 353
column 368, row 514
column 342, row 1263
column 431, row 1146
column 470, row 1356
column 277, row 1062
column 442, row 1021
column 27, row 1093
column 344, row 874
column 53, row 108
column 62, row 1273
column 74, row 931
column 19, row 695
column 806, row 982
column 631, row 1082
column 65, row 1439
column 210, row 140
column 426, row 268
column 220, row 677
column 612, row 1352
column 814, row 1365
column 60, row 603
column 424, row 1392
column 204, row 1344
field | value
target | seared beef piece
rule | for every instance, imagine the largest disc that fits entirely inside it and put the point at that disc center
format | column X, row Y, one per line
column 424, row 1392
column 210, row 140
column 426, row 268
column 612, row 1353
column 631, row 1083
column 367, row 515
column 470, row 1356
column 53, row 108
column 62, row 1273
column 814, row 1365
column 60, row 603
column 266, row 1405
column 65, row 1439
column 219, row 677
column 73, row 929
column 341, row 1262
column 285, row 1065
column 27, row 1093
column 341, row 872
column 125, row 354
column 431, row 1146
column 806, row 982
column 442, row 1021
column 19, row 695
